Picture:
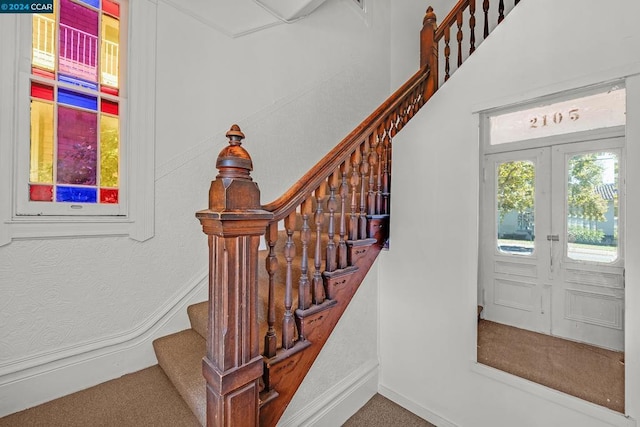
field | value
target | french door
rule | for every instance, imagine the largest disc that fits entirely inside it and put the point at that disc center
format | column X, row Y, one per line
column 552, row 226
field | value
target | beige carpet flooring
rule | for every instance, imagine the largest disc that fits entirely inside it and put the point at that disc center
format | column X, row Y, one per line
column 144, row 398
column 147, row 398
column 590, row 373
column 381, row 412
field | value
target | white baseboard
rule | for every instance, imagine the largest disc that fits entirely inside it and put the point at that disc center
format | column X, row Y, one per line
column 91, row 365
column 419, row 410
column 340, row 402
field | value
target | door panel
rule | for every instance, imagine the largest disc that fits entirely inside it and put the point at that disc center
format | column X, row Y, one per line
column 512, row 265
column 588, row 284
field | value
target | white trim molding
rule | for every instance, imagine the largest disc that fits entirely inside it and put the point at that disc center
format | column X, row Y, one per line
column 417, row 409
column 336, row 405
column 601, row 413
column 31, row 381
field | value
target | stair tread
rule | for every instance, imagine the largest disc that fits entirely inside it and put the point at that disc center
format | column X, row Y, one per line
column 199, row 317
column 180, row 356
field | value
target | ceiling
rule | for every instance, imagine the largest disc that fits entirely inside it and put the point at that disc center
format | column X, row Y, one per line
column 236, row 18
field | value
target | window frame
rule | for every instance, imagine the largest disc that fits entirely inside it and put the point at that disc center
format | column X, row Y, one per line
column 137, row 127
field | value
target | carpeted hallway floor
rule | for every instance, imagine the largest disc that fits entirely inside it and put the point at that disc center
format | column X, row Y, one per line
column 143, row 398
column 147, row 398
column 590, row 373
column 381, row 412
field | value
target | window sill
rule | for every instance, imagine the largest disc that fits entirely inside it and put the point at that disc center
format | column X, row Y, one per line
column 51, row 227
column 570, row 402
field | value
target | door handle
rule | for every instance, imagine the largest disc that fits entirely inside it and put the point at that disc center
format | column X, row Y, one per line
column 552, row 238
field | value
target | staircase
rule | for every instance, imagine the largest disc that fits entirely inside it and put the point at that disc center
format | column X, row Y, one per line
column 270, row 312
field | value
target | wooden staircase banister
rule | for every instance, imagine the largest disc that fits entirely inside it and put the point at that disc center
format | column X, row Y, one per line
column 347, row 191
column 294, row 196
column 451, row 18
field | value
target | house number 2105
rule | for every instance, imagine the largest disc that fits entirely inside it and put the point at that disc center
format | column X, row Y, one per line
column 555, row 118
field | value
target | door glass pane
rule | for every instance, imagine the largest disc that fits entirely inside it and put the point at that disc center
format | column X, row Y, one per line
column 592, row 207
column 515, row 207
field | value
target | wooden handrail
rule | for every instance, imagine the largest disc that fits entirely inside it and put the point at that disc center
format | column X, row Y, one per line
column 294, row 196
column 451, row 18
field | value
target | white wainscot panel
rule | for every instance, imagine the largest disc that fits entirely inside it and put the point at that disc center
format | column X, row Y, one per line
column 586, row 277
column 514, row 294
column 594, row 308
column 516, row 268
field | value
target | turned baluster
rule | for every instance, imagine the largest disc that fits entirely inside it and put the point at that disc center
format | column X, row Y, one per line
column 472, row 26
column 386, row 176
column 332, row 204
column 318, row 284
column 288, row 323
column 373, row 161
column 379, row 152
column 500, row 11
column 304, row 286
column 270, row 339
column 485, row 8
column 406, row 111
column 447, row 52
column 354, row 181
column 364, row 168
column 344, row 193
column 459, row 36
column 394, row 123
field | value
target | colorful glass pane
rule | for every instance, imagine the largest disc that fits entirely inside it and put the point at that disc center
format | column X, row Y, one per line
column 74, row 150
column 111, row 8
column 108, row 195
column 77, row 82
column 43, row 42
column 76, row 194
column 109, row 150
column 94, row 3
column 109, row 107
column 109, row 90
column 77, row 99
column 77, row 150
column 41, row 91
column 78, row 41
column 42, row 73
column 41, row 152
column 110, row 51
column 41, row 193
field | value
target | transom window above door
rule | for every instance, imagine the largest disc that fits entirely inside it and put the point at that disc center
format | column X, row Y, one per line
column 588, row 110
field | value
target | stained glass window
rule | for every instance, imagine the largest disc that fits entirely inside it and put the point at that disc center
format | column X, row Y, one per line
column 75, row 103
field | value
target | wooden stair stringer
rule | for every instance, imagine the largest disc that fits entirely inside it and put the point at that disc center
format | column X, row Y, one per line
column 284, row 375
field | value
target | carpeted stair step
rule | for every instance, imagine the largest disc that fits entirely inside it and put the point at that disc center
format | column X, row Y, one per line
column 180, row 356
column 199, row 316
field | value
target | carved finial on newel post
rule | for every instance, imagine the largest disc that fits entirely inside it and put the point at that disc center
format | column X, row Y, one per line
column 233, row 223
column 429, row 47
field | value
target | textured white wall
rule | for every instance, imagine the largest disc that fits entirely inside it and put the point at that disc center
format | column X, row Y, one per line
column 428, row 279
column 295, row 89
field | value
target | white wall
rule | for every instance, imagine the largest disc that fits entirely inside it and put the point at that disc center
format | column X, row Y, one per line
column 75, row 312
column 428, row 279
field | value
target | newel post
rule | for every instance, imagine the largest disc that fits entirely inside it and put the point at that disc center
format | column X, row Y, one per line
column 233, row 224
column 429, row 49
